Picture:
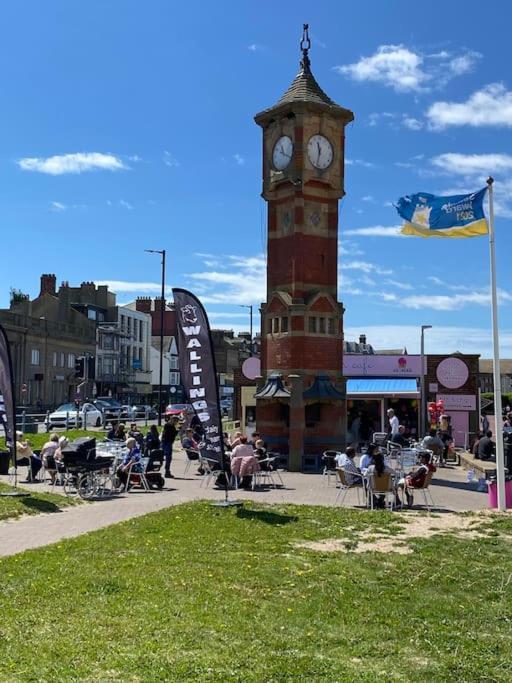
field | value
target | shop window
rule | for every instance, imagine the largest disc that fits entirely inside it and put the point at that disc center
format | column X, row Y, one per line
column 321, row 325
column 284, row 324
column 312, row 325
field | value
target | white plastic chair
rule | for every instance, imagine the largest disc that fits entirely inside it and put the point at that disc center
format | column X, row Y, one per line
column 211, row 470
column 143, row 482
column 345, row 487
column 258, row 478
column 329, row 460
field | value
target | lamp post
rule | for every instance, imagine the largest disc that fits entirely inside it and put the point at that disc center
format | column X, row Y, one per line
column 249, row 306
column 160, row 375
column 423, row 402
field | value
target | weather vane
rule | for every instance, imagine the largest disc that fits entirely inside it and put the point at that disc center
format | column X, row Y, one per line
column 305, row 45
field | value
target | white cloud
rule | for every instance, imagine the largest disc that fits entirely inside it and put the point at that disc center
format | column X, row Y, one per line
column 365, row 267
column 406, row 70
column 439, row 339
column 134, row 287
column 393, row 65
column 256, row 47
column 170, row 160
column 490, row 106
column 135, row 158
column 359, row 162
column 471, row 164
column 368, row 198
column 399, row 285
column 239, row 159
column 58, row 207
column 125, row 205
column 411, row 123
column 72, row 163
column 453, row 302
column 376, row 231
column 242, row 283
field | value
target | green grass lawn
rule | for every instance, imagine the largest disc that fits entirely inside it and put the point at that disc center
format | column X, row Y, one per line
column 198, row 594
column 31, row 505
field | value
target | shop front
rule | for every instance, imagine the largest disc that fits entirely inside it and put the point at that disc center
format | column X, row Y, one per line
column 375, row 383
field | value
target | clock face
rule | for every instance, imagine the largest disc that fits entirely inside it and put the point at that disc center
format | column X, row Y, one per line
column 282, row 154
column 320, row 151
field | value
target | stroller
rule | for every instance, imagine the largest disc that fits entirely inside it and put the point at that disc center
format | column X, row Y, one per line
column 84, row 473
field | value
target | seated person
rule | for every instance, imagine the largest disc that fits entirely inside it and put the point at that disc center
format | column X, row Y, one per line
column 136, row 434
column 345, row 461
column 132, row 458
column 152, row 439
column 433, row 442
column 236, row 440
column 188, row 442
column 256, row 436
column 486, row 447
column 474, row 449
column 367, row 458
column 400, row 439
column 48, row 455
column 244, row 450
column 261, row 453
column 378, row 468
column 24, row 452
column 416, row 479
column 111, row 433
column 120, row 433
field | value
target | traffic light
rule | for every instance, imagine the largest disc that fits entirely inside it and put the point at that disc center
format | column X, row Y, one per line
column 79, row 367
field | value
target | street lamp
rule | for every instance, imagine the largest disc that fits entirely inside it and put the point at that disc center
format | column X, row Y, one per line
column 160, row 377
column 249, row 306
column 423, row 403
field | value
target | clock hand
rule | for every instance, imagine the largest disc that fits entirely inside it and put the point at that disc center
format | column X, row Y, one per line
column 319, row 151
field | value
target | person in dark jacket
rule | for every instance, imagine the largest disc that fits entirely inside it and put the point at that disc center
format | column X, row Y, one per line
column 486, row 447
column 169, row 434
column 152, row 439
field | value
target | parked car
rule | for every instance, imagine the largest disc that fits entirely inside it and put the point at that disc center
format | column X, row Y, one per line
column 109, row 408
column 127, row 412
column 175, row 409
column 140, row 411
column 88, row 415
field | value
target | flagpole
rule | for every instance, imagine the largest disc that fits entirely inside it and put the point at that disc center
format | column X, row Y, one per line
column 498, row 413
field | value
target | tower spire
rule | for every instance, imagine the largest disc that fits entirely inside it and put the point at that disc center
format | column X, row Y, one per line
column 305, row 45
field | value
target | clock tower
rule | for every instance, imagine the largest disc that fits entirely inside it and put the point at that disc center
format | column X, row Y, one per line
column 301, row 406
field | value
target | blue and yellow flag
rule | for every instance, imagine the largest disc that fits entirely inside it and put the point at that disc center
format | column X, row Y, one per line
column 461, row 215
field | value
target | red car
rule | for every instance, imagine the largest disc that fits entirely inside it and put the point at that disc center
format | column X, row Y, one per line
column 176, row 409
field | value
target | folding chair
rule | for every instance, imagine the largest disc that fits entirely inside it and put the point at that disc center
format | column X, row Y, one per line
column 345, row 487
column 260, row 477
column 425, row 489
column 382, row 485
column 211, row 469
column 329, row 461
column 192, row 456
column 138, row 477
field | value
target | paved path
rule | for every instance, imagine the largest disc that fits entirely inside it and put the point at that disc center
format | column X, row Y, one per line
column 450, row 492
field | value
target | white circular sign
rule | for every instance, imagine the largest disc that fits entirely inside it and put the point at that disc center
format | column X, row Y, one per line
column 452, row 373
column 251, row 368
column 172, row 390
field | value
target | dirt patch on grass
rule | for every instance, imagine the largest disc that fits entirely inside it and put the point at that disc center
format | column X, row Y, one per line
column 414, row 527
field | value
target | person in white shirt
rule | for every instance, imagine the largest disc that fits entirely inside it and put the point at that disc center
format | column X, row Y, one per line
column 394, row 424
column 346, row 462
column 367, row 458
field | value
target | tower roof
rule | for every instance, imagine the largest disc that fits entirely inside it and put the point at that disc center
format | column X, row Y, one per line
column 304, row 89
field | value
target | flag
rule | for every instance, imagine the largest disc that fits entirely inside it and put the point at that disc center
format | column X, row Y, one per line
column 460, row 215
column 7, row 409
column 198, row 371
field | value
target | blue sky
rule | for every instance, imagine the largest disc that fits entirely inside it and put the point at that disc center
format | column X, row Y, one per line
column 129, row 125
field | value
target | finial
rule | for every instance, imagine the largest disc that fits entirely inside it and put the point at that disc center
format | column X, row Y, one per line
column 305, row 44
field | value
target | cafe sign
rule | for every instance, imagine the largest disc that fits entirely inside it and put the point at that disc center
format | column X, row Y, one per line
column 452, row 373
column 458, row 401
column 375, row 365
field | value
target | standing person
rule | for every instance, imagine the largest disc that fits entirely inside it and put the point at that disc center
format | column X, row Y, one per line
column 169, row 434
column 484, row 423
column 394, row 424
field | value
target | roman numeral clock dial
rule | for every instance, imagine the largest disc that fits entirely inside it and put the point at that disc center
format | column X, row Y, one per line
column 320, row 152
column 282, row 154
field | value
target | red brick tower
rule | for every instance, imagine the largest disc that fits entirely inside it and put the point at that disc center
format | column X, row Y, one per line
column 302, row 320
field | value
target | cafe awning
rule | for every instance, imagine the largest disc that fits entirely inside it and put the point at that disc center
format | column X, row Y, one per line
column 382, row 387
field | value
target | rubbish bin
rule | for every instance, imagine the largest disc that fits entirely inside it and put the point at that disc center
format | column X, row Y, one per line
column 5, row 461
column 493, row 494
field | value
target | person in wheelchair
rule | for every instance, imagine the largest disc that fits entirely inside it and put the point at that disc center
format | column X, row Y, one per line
column 132, row 458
